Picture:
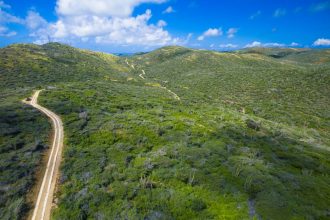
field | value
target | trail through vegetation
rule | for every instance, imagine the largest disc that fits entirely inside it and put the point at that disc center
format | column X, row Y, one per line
column 248, row 139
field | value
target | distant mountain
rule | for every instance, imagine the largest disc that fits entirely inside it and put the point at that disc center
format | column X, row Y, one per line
column 314, row 56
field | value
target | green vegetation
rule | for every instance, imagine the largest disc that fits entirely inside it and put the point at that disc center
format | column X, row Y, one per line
column 23, row 136
column 24, row 131
column 249, row 137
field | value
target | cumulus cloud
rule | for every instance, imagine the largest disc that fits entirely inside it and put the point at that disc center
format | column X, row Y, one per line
column 322, row 42
column 128, row 31
column 228, row 46
column 294, row 44
column 279, row 12
column 169, row 10
column 231, row 32
column 38, row 27
column 211, row 32
column 259, row 44
column 104, row 22
column 254, row 44
column 161, row 23
column 274, row 45
column 104, row 8
column 34, row 20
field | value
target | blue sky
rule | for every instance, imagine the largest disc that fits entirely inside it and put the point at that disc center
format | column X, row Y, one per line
column 143, row 25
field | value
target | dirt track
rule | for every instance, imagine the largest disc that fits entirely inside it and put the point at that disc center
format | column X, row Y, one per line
column 142, row 76
column 44, row 201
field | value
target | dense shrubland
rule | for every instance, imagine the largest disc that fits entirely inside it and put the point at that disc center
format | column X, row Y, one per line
column 142, row 154
column 24, row 131
column 23, row 136
column 249, row 138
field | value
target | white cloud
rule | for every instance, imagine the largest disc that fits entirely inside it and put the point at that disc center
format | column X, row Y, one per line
column 38, row 27
column 5, row 33
column 100, row 22
column 294, row 44
column 322, row 42
column 200, row 38
column 211, row 32
column 254, row 44
column 255, row 15
column 259, row 44
column 112, row 8
column 230, row 46
column 279, row 12
column 130, row 30
column 273, row 45
column 161, row 23
column 231, row 32
column 169, row 10
column 34, row 20
column 7, row 18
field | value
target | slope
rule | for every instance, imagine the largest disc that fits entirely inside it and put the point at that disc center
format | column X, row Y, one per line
column 248, row 138
column 24, row 131
column 266, row 87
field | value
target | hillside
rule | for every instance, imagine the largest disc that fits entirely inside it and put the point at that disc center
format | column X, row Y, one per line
column 175, row 133
column 309, row 56
column 24, row 131
column 266, row 87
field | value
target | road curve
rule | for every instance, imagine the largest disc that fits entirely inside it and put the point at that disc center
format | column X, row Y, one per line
column 43, row 206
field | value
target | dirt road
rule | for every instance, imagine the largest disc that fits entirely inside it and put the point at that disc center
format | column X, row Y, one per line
column 44, row 202
column 142, row 76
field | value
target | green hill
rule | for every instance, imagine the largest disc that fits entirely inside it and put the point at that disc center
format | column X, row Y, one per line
column 175, row 133
column 24, row 131
column 32, row 65
column 266, row 87
column 309, row 56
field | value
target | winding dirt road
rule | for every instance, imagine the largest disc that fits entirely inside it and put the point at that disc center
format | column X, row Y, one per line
column 144, row 74
column 44, row 202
